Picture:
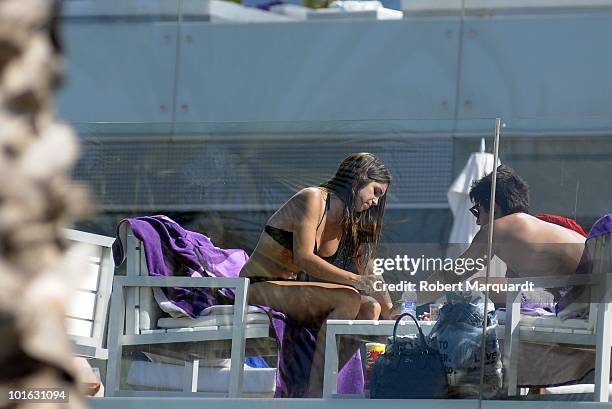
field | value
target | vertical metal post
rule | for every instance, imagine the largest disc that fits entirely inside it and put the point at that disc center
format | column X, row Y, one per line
column 489, row 257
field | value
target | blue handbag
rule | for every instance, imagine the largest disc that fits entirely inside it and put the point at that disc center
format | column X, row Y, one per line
column 409, row 371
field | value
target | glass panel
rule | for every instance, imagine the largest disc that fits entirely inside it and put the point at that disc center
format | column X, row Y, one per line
column 558, row 321
column 227, row 180
column 556, row 137
column 185, row 112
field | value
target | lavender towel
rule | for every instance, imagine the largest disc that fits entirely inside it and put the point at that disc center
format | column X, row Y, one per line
column 579, row 294
column 171, row 250
column 601, row 227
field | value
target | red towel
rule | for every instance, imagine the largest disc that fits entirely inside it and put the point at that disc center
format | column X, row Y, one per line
column 562, row 221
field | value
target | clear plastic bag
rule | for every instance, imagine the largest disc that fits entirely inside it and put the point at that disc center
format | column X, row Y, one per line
column 457, row 335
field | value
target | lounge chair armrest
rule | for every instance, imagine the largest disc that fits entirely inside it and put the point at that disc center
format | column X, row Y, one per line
column 89, row 238
column 240, row 284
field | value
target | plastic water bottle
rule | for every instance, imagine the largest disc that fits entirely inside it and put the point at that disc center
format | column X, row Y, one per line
column 408, row 303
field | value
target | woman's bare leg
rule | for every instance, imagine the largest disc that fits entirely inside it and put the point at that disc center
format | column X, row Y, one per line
column 368, row 310
column 315, row 385
column 309, row 302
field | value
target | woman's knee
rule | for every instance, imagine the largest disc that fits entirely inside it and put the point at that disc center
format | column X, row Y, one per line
column 369, row 310
column 348, row 301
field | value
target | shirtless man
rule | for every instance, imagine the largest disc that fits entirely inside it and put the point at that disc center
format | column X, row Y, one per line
column 529, row 246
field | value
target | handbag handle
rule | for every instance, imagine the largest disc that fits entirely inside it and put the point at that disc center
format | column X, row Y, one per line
column 397, row 321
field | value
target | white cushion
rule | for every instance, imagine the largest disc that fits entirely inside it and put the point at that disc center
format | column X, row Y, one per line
column 227, row 310
column 547, row 321
column 569, row 389
column 164, row 304
column 211, row 362
column 211, row 320
column 168, row 376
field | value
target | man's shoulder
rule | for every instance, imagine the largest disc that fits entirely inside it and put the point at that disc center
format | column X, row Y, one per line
column 517, row 226
column 517, row 216
column 523, row 225
column 515, row 221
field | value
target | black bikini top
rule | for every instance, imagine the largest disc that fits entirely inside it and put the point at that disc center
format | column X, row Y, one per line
column 285, row 238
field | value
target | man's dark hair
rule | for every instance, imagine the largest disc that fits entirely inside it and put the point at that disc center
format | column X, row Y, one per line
column 511, row 191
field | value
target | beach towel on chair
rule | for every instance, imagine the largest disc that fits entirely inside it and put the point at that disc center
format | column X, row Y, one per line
column 171, row 250
column 575, row 303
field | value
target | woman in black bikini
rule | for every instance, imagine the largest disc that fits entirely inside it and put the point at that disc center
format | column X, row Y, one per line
column 341, row 218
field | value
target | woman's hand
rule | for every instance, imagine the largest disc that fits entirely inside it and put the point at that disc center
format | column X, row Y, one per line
column 365, row 283
column 395, row 313
column 425, row 317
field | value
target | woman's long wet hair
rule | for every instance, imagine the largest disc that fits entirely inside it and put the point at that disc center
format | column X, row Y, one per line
column 355, row 172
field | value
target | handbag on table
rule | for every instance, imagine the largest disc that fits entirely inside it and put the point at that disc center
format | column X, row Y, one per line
column 409, row 369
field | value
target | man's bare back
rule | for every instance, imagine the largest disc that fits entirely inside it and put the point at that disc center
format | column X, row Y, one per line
column 529, row 246
column 532, row 247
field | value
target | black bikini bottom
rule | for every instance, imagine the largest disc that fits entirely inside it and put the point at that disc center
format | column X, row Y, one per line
column 302, row 277
column 259, row 279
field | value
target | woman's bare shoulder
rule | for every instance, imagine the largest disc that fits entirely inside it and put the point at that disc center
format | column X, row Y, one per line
column 305, row 202
column 308, row 196
column 312, row 192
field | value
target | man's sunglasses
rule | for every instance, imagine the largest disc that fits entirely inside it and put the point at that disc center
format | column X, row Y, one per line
column 475, row 210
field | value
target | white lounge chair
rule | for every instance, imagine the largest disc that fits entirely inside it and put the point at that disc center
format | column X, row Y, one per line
column 88, row 310
column 137, row 320
column 595, row 332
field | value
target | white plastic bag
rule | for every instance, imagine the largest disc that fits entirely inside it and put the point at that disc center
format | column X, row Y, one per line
column 458, row 336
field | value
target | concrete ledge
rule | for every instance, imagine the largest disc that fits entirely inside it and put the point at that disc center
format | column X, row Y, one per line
column 246, row 403
column 500, row 6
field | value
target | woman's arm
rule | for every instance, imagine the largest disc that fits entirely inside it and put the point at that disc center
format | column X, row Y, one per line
column 309, row 208
column 383, row 298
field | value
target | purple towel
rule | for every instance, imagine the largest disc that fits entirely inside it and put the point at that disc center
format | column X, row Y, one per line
column 601, row 227
column 577, row 293
column 171, row 250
